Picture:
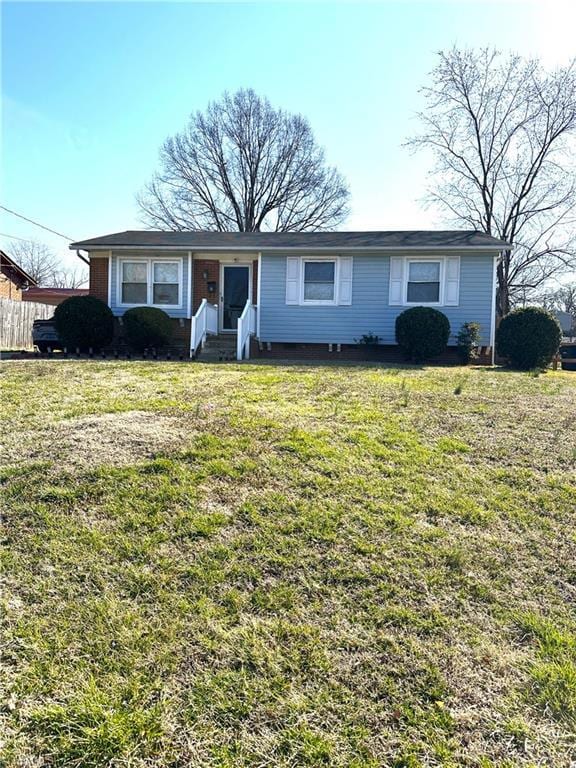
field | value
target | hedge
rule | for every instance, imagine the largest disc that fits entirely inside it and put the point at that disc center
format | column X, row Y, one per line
column 422, row 332
column 84, row 322
column 147, row 327
column 529, row 338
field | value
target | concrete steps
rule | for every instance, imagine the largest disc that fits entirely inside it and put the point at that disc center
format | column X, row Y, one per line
column 219, row 348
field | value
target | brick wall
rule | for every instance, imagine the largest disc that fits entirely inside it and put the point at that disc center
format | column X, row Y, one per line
column 384, row 353
column 180, row 342
column 181, row 334
column 8, row 289
column 99, row 278
column 211, row 267
column 200, row 283
column 255, row 282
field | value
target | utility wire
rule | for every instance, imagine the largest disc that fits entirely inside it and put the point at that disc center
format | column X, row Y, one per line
column 13, row 237
column 36, row 224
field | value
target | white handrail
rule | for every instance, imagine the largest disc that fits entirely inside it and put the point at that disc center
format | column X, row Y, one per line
column 246, row 328
column 204, row 322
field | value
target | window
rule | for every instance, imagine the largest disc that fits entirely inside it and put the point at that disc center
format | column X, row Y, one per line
column 165, row 285
column 423, row 285
column 315, row 281
column 150, row 282
column 422, row 280
column 319, row 281
column 134, row 282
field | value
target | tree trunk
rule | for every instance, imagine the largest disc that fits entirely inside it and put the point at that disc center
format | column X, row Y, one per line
column 502, row 291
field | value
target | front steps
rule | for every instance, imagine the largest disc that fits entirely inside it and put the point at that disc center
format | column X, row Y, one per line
column 219, row 348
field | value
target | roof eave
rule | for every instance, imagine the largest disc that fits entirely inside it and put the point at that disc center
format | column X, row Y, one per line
column 10, row 264
column 286, row 248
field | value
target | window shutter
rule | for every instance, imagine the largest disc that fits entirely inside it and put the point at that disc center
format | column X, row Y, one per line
column 292, row 280
column 452, row 281
column 345, row 280
column 396, row 280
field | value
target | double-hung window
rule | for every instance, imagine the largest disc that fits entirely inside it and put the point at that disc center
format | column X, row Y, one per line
column 423, row 283
column 424, row 280
column 150, row 282
column 165, row 283
column 319, row 282
column 134, row 282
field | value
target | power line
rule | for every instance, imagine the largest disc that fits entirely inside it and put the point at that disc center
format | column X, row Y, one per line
column 13, row 237
column 36, row 224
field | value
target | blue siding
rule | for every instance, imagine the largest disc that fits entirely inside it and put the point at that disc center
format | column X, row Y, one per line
column 182, row 311
column 370, row 311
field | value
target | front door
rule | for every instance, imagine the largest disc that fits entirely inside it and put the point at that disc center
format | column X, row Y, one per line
column 235, row 294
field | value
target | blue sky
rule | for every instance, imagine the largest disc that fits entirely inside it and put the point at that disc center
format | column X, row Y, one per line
column 90, row 90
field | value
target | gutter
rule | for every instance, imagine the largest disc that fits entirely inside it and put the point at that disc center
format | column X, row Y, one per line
column 497, row 260
column 82, row 258
column 288, row 248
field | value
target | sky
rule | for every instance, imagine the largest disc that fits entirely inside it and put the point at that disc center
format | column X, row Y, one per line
column 91, row 90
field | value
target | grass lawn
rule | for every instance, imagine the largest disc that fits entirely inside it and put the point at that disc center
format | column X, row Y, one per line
column 281, row 565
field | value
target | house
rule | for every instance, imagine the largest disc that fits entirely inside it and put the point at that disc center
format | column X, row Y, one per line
column 297, row 294
column 52, row 296
column 13, row 279
column 567, row 322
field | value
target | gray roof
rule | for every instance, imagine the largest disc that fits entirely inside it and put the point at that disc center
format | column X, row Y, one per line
column 256, row 241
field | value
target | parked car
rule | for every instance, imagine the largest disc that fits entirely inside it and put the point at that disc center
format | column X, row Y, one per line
column 45, row 335
column 568, row 357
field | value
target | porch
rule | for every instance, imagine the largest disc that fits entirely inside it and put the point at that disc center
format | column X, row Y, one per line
column 224, row 311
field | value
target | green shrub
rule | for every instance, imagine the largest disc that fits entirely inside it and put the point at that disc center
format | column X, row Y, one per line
column 467, row 342
column 368, row 340
column 84, row 322
column 422, row 332
column 529, row 338
column 147, row 327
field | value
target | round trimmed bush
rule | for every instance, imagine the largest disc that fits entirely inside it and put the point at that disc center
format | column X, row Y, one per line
column 529, row 338
column 147, row 327
column 422, row 332
column 84, row 322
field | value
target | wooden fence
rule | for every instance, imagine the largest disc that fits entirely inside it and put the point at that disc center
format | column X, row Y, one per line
column 16, row 318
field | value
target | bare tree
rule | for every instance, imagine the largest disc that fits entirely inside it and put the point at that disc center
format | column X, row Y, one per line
column 244, row 166
column 71, row 277
column 502, row 132
column 41, row 263
column 35, row 258
column 562, row 299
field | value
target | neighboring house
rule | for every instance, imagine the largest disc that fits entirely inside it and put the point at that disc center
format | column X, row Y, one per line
column 53, row 296
column 13, row 279
column 297, row 294
column 566, row 321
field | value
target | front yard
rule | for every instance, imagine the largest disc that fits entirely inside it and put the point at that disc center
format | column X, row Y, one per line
column 257, row 565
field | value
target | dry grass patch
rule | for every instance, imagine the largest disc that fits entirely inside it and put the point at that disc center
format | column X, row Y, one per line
column 111, row 438
column 288, row 565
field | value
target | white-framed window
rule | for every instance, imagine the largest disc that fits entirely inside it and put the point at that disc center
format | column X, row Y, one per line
column 150, row 282
column 165, row 283
column 424, row 281
column 318, row 281
column 134, row 282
